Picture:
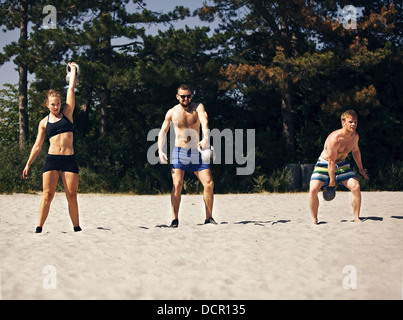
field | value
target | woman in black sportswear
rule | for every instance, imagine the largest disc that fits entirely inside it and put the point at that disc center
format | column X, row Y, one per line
column 58, row 126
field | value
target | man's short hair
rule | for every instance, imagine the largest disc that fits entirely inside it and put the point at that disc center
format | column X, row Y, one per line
column 183, row 87
column 348, row 113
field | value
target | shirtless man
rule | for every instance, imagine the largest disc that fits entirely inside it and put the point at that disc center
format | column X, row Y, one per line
column 333, row 167
column 187, row 116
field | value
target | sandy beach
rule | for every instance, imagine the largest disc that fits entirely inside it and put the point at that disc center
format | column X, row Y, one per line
column 264, row 247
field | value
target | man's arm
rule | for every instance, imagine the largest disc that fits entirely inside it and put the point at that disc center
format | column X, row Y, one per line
column 357, row 158
column 333, row 145
column 162, row 136
column 201, row 112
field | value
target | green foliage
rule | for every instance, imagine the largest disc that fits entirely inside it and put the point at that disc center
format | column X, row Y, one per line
column 259, row 182
column 12, row 163
column 242, row 74
column 391, row 177
column 9, row 113
column 278, row 181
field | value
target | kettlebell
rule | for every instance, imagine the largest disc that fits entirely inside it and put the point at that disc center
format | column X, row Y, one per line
column 329, row 193
column 207, row 154
column 68, row 71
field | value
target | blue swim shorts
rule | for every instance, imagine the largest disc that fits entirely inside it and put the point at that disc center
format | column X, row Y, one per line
column 343, row 171
column 187, row 159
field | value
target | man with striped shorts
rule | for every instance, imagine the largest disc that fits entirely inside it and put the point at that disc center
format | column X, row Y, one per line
column 332, row 166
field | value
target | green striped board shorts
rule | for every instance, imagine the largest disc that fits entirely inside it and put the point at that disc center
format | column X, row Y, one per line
column 343, row 171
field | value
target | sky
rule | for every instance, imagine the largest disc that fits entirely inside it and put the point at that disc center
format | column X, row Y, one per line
column 8, row 74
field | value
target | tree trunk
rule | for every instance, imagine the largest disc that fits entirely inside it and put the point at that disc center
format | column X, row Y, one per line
column 105, row 104
column 106, row 94
column 84, row 110
column 23, row 78
column 287, row 41
column 288, row 118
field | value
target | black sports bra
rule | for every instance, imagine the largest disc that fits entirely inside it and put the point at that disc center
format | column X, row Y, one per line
column 55, row 128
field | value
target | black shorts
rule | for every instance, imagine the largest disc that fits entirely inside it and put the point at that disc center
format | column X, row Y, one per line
column 60, row 163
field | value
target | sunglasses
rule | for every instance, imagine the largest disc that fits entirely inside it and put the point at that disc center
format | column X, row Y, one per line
column 189, row 96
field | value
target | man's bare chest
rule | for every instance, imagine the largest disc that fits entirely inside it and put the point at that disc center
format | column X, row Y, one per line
column 186, row 119
column 345, row 146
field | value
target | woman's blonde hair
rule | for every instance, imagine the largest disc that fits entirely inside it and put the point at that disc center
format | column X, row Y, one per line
column 52, row 93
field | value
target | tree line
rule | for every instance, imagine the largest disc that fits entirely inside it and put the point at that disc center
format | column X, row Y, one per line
column 287, row 69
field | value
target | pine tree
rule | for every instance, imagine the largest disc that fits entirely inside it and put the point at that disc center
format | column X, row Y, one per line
column 106, row 63
column 20, row 15
column 291, row 34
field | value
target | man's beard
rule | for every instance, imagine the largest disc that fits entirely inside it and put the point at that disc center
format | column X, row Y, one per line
column 185, row 105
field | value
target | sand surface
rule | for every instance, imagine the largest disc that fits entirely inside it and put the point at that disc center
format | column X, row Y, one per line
column 264, row 247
